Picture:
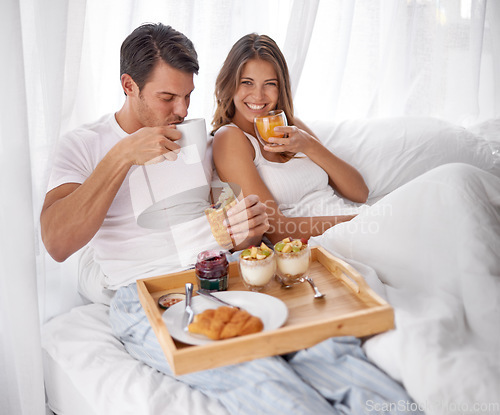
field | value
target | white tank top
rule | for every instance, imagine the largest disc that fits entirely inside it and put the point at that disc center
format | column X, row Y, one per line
column 299, row 186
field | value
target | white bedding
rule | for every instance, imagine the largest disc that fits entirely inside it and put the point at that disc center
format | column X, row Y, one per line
column 88, row 369
column 440, row 269
column 435, row 244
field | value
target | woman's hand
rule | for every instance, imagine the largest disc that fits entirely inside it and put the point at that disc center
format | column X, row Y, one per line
column 295, row 140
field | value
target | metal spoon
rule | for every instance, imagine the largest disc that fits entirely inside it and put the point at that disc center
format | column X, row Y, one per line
column 317, row 293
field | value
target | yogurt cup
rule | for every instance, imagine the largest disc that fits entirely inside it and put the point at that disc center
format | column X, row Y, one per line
column 257, row 273
column 292, row 267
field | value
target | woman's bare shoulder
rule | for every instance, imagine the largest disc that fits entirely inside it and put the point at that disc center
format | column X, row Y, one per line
column 227, row 132
column 229, row 138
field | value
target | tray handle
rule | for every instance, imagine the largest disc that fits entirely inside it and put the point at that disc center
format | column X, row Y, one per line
column 349, row 275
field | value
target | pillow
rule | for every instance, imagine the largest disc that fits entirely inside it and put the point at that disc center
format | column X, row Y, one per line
column 390, row 152
column 489, row 129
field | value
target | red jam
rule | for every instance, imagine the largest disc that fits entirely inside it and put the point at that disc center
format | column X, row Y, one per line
column 211, row 270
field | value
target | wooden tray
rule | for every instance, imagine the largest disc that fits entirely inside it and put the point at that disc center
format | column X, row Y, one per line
column 350, row 308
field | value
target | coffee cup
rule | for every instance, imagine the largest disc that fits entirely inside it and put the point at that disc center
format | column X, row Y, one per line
column 193, row 141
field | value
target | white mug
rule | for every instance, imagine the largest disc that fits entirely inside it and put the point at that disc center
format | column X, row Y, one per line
column 194, row 137
column 162, row 190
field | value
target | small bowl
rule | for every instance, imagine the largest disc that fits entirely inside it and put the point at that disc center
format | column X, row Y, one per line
column 168, row 300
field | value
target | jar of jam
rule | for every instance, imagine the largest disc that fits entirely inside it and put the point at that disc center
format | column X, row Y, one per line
column 211, row 269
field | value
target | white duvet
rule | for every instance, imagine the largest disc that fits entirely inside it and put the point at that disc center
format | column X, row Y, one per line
column 435, row 245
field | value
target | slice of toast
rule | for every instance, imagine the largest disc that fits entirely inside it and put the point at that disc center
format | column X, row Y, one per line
column 216, row 215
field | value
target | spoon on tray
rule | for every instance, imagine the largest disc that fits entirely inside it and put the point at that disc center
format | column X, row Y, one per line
column 317, row 293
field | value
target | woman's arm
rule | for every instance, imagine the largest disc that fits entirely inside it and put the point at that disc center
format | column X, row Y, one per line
column 233, row 157
column 344, row 178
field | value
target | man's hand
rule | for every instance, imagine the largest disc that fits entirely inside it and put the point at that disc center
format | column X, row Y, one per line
column 247, row 222
column 150, row 145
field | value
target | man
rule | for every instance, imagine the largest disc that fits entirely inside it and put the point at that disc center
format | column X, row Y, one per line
column 89, row 202
column 89, row 184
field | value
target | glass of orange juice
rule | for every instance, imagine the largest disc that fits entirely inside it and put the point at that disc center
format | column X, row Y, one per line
column 264, row 125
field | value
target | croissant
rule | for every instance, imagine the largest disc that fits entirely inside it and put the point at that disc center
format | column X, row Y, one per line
column 224, row 323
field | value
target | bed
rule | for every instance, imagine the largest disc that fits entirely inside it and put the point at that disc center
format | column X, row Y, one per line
column 447, row 304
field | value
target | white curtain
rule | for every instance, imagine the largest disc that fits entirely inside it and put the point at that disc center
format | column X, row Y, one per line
column 20, row 363
column 403, row 57
column 60, row 68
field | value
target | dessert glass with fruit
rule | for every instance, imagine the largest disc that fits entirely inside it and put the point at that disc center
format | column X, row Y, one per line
column 293, row 258
column 257, row 267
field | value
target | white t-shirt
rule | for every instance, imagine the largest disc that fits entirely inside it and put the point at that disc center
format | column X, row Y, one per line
column 124, row 250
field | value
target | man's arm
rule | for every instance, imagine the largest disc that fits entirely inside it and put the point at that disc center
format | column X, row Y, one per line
column 72, row 213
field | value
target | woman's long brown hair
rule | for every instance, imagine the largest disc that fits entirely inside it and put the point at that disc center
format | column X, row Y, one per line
column 251, row 46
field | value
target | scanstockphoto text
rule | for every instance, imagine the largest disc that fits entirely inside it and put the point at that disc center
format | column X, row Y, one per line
column 463, row 408
column 368, row 225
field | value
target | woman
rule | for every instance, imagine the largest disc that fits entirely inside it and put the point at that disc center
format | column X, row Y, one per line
column 436, row 250
column 296, row 176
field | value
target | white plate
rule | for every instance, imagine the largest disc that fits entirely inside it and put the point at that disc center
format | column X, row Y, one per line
column 271, row 310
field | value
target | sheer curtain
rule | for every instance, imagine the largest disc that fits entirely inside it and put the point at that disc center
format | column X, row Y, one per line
column 20, row 363
column 395, row 57
column 347, row 58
